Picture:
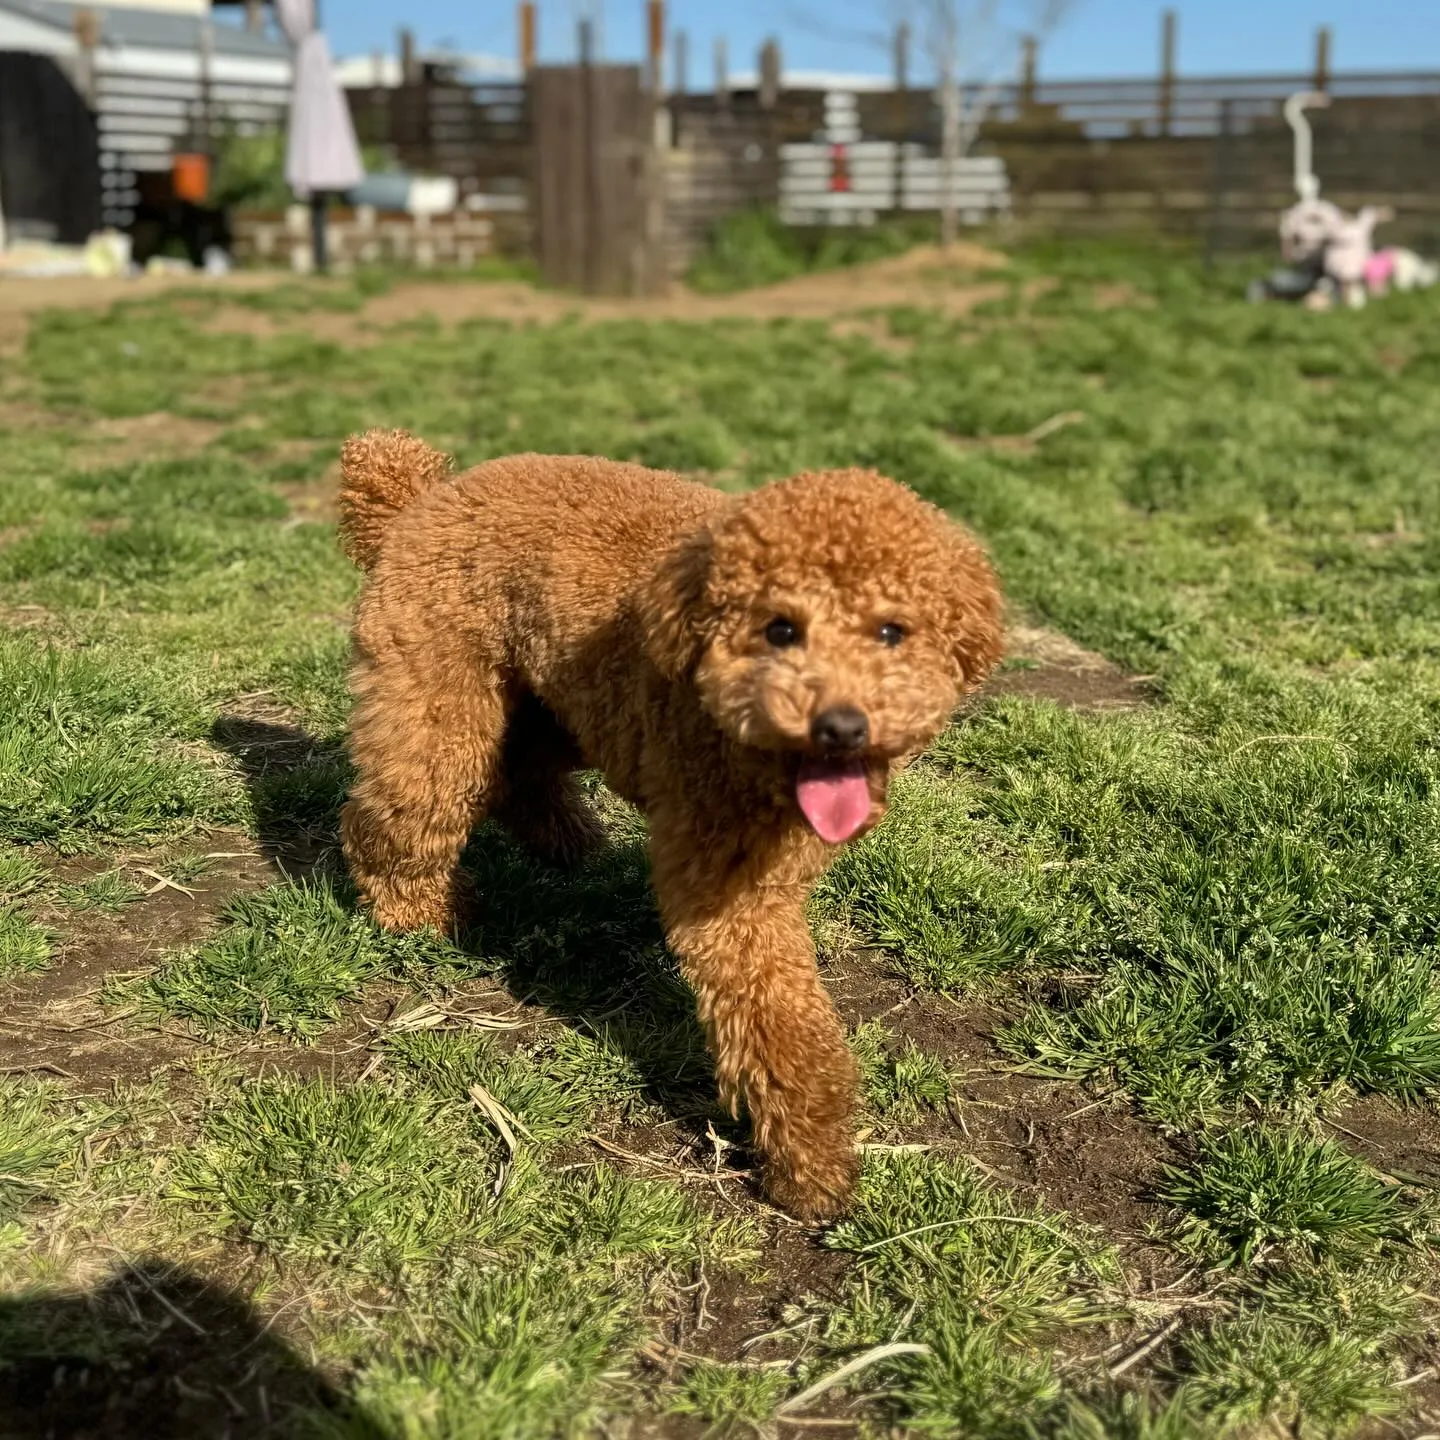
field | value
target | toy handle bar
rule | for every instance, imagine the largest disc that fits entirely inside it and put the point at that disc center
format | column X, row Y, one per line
column 1307, row 186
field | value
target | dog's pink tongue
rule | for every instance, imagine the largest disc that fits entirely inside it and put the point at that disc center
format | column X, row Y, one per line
column 834, row 798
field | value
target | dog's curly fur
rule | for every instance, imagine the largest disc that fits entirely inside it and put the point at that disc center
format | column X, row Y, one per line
column 538, row 614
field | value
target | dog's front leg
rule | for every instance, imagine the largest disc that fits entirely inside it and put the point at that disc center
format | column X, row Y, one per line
column 778, row 1044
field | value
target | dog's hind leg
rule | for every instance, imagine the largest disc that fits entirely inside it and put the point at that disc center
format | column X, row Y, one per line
column 539, row 801
column 427, row 757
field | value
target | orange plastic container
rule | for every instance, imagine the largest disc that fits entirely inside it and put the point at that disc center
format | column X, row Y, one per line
column 190, row 177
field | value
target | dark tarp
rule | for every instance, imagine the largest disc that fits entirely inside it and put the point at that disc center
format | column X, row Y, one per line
column 49, row 153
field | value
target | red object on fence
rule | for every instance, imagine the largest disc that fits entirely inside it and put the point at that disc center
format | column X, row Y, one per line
column 839, row 170
column 190, row 176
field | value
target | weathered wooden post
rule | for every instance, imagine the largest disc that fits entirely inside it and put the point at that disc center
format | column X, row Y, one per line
column 680, row 64
column 527, row 36
column 769, row 74
column 1168, row 27
column 1322, row 59
column 87, row 38
column 900, row 111
column 654, row 45
column 1029, row 57
column 722, row 75
column 652, row 266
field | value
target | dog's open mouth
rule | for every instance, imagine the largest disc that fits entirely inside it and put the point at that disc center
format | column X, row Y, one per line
column 834, row 797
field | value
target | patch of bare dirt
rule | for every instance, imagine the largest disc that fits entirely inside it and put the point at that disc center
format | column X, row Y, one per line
column 1402, row 1141
column 21, row 297
column 316, row 501
column 1120, row 295
column 1400, row 533
column 25, row 415
column 1053, row 1143
column 963, row 257
column 53, row 1022
column 240, row 320
column 927, row 277
column 32, row 617
column 952, row 283
column 1051, row 1139
column 158, row 435
column 1054, row 667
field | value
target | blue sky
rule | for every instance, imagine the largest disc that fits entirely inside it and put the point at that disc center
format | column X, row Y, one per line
column 1099, row 37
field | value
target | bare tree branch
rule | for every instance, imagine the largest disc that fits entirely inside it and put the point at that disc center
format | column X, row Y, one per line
column 824, row 26
column 969, row 45
column 854, row 23
column 957, row 36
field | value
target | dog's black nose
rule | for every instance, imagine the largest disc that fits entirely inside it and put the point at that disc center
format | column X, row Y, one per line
column 840, row 729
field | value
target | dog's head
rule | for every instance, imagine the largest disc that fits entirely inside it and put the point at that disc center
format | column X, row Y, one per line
column 835, row 617
column 1307, row 228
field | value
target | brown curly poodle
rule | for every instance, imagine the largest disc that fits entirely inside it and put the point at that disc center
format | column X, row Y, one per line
column 748, row 670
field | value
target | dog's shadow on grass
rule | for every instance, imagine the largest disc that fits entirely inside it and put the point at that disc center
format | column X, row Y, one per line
column 584, row 944
column 154, row 1351
column 297, row 783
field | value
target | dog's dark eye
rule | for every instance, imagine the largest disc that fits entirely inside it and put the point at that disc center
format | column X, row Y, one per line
column 781, row 632
column 891, row 634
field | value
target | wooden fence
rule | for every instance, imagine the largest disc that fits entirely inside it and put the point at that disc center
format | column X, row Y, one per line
column 594, row 197
column 479, row 134
column 1204, row 159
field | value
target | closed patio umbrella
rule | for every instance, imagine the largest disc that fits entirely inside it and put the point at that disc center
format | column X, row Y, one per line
column 321, row 156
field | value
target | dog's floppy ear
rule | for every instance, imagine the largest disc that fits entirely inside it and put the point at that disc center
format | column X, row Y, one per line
column 975, row 622
column 675, row 617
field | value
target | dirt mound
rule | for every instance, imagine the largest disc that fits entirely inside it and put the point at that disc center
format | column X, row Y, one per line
column 1051, row 666
column 928, row 275
column 952, row 281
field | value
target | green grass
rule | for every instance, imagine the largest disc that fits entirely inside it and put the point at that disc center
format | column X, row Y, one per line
column 40, row 1138
column 1306, row 1350
column 282, row 960
column 986, row 1280
column 899, row 1079
column 361, row 1172
column 508, row 1356
column 1221, row 906
column 555, row 1086
column 1257, row 1188
column 730, row 1398
column 109, row 891
column 529, row 1284
column 20, row 874
column 23, row 944
column 754, row 248
column 81, row 759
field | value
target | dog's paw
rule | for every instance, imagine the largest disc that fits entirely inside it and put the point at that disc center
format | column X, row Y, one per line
column 443, row 906
column 813, row 1187
column 405, row 919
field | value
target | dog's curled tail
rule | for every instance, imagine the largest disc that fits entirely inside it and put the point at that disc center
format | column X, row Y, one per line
column 382, row 472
